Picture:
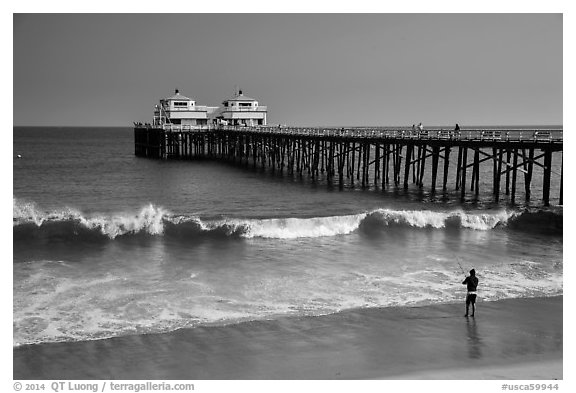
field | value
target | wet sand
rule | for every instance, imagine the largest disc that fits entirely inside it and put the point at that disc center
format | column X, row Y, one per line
column 508, row 339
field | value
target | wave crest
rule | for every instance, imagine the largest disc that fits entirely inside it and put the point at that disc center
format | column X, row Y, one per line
column 152, row 220
column 149, row 220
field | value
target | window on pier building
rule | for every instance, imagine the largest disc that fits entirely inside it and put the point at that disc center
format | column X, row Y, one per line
column 180, row 104
column 245, row 104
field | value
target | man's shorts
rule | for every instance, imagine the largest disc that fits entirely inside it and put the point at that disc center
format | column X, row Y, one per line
column 471, row 298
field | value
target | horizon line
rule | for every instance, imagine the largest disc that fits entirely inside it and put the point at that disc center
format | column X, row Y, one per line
column 309, row 126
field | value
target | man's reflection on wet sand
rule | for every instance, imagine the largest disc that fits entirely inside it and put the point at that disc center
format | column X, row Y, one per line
column 474, row 339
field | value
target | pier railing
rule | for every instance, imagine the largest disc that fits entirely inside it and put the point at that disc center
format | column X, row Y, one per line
column 512, row 135
column 478, row 134
column 179, row 127
column 245, row 109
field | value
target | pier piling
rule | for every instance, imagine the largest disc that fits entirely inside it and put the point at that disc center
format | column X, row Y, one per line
column 346, row 153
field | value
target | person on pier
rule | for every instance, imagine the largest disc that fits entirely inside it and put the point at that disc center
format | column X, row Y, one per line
column 471, row 283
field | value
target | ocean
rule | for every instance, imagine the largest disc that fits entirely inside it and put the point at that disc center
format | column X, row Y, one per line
column 107, row 244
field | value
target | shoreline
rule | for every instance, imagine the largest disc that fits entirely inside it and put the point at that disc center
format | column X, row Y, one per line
column 508, row 339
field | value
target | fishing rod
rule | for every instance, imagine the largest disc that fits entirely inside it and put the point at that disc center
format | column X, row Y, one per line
column 458, row 261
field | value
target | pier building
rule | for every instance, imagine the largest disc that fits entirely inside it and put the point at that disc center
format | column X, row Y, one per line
column 242, row 110
column 181, row 110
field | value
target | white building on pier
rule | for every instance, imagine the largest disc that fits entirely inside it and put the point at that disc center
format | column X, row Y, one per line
column 242, row 110
column 181, row 110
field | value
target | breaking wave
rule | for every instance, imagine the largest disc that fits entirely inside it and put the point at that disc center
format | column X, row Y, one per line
column 30, row 221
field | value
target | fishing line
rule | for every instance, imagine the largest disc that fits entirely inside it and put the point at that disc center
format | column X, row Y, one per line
column 458, row 261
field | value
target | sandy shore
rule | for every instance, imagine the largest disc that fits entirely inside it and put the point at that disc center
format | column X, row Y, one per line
column 541, row 370
column 509, row 339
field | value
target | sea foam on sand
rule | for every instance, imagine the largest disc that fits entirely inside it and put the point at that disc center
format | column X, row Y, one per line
column 508, row 339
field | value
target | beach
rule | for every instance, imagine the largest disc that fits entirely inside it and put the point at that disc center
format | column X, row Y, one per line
column 508, row 339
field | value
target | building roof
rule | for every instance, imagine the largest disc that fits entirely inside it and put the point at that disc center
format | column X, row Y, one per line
column 240, row 97
column 178, row 96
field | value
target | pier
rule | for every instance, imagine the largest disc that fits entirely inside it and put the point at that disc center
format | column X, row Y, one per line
column 382, row 156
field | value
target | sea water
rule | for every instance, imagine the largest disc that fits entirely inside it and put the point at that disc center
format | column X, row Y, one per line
column 109, row 244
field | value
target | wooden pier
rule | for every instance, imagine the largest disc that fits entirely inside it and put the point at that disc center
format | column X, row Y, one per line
column 380, row 156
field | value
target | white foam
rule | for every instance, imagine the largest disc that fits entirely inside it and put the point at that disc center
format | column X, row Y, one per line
column 434, row 219
column 150, row 220
column 292, row 228
column 485, row 222
column 57, row 309
column 415, row 218
column 24, row 212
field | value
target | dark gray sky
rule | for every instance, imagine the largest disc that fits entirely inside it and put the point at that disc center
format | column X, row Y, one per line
column 309, row 69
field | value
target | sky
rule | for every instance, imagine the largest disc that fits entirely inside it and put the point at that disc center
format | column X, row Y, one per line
column 375, row 69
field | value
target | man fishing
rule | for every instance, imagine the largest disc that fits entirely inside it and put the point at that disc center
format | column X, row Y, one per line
column 471, row 284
